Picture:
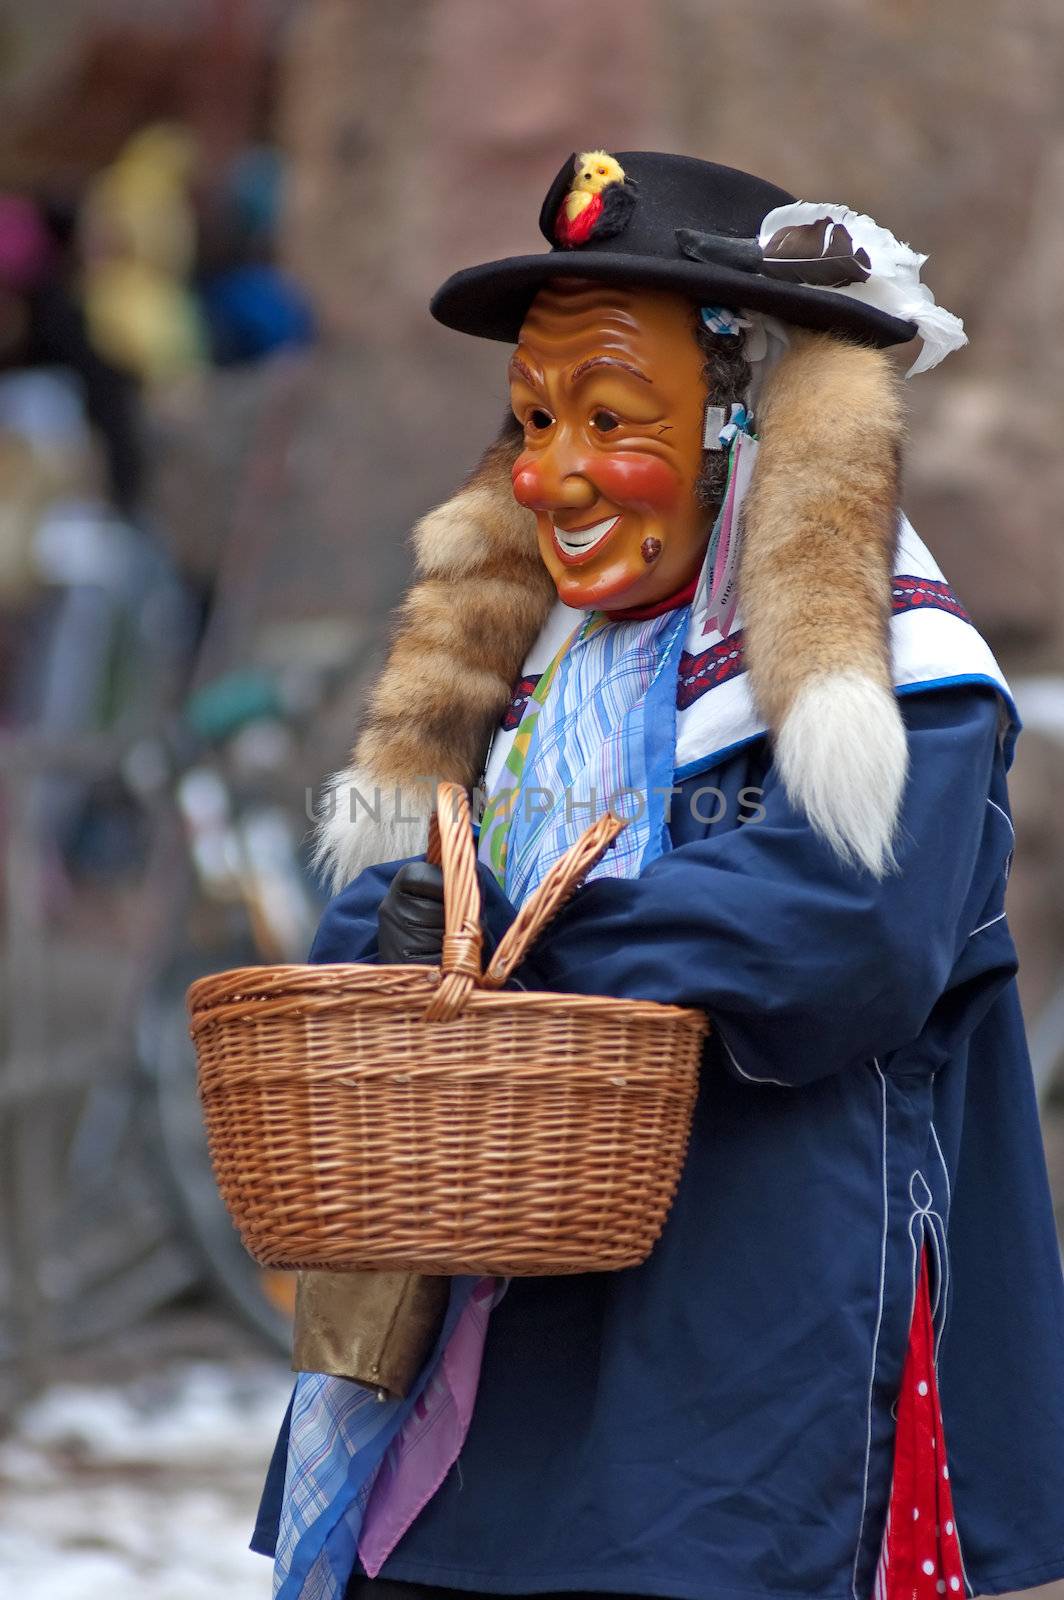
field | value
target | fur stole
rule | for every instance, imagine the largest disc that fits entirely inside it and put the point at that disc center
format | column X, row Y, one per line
column 820, row 522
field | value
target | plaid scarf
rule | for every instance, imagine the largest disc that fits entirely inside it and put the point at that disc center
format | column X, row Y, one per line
column 599, row 734
column 339, row 1440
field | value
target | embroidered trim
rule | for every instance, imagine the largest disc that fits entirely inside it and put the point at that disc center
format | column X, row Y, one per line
column 917, row 594
column 708, row 669
column 522, row 692
column 934, row 1228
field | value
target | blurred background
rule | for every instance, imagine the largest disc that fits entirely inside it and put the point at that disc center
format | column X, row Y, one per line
column 222, row 405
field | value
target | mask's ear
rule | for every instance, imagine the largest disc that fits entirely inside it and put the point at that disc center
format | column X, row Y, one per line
column 820, row 528
column 459, row 640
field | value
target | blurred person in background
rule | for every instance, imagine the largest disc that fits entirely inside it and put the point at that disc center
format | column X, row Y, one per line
column 250, row 306
column 69, row 430
column 138, row 240
column 43, row 327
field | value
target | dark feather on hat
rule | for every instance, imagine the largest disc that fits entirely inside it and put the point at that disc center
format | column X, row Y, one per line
column 818, row 253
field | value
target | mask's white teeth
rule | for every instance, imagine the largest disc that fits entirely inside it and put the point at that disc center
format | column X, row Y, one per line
column 583, row 539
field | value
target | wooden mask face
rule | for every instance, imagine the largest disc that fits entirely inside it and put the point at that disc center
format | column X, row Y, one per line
column 607, row 384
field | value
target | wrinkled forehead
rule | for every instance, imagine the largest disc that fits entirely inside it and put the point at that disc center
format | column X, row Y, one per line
column 570, row 316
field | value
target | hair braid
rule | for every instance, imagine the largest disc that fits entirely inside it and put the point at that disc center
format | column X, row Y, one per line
column 727, row 377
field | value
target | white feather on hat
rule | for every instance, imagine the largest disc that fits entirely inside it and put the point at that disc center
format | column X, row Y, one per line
column 893, row 284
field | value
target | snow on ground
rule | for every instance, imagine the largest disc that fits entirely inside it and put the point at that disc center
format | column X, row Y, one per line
column 142, row 1487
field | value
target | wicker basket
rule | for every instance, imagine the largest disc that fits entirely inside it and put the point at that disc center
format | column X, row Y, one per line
column 408, row 1118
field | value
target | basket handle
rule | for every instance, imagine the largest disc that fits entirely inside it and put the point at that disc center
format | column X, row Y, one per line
column 451, row 833
column 450, row 844
column 562, row 881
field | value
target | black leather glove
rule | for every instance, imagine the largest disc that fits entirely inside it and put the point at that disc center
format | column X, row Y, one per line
column 410, row 919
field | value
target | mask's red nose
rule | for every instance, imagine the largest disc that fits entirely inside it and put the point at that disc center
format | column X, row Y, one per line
column 542, row 484
column 528, row 484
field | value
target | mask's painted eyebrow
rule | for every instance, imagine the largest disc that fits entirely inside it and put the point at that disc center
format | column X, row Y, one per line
column 606, row 361
column 521, row 369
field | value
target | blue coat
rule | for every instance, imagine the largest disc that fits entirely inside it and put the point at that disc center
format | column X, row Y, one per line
column 717, row 1422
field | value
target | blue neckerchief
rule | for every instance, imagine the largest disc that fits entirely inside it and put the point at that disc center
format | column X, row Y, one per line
column 604, row 739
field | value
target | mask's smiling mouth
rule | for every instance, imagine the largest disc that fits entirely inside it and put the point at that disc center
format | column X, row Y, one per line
column 576, row 544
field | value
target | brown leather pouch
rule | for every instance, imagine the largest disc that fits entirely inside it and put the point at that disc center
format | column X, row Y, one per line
column 375, row 1328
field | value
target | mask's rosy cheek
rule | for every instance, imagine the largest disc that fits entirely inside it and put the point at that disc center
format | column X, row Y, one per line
column 628, row 477
column 528, row 483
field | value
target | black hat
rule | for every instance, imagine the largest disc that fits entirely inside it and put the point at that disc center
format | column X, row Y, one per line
column 673, row 222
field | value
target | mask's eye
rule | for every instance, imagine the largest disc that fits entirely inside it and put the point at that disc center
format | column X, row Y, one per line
column 539, row 420
column 604, row 421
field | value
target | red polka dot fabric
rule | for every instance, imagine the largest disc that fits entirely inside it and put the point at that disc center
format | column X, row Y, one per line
column 921, row 1555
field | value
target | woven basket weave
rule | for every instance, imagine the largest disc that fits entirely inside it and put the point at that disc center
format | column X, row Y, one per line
column 408, row 1118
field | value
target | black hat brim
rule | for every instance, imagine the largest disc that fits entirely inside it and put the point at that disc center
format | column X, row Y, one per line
column 492, row 300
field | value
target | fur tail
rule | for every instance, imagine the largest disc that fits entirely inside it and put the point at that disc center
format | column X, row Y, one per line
column 817, row 558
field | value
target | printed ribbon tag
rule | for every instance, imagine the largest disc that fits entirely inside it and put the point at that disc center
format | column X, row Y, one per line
column 719, row 586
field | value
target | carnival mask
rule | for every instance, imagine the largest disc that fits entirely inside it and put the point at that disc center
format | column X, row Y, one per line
column 608, row 386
